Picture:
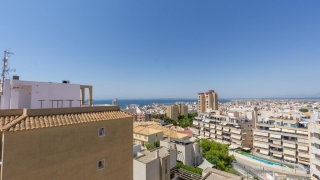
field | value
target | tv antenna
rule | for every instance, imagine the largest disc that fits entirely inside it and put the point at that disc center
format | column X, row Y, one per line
column 5, row 68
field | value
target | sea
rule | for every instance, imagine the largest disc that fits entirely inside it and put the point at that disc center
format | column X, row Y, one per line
column 143, row 102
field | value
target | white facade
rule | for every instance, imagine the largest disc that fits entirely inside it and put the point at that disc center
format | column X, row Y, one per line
column 27, row 94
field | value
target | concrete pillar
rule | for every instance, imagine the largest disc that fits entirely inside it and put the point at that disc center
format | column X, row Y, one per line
column 82, row 96
column 90, row 96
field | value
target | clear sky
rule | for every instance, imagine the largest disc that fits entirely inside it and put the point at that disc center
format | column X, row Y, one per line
column 167, row 48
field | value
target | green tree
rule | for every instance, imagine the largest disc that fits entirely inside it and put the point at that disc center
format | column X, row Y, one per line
column 168, row 120
column 159, row 116
column 303, row 110
column 213, row 150
column 156, row 144
column 148, row 146
column 181, row 117
column 212, row 159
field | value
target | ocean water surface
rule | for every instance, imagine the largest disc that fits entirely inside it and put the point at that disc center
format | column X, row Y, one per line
column 143, row 102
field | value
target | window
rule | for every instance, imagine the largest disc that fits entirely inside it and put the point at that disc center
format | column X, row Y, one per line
column 101, row 132
column 101, row 164
column 279, row 123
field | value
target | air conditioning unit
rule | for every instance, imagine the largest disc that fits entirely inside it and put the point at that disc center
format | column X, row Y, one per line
column 65, row 81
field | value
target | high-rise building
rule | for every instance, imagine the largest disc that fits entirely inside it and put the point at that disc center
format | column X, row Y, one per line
column 207, row 101
column 172, row 112
column 314, row 142
column 183, row 110
column 66, row 143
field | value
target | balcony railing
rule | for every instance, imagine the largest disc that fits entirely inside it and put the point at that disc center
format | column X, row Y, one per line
column 315, row 140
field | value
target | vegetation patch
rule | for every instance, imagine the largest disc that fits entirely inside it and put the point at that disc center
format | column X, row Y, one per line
column 217, row 154
column 189, row 168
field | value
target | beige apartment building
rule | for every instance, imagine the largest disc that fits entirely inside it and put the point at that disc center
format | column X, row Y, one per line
column 183, row 110
column 144, row 135
column 207, row 101
column 314, row 141
column 66, row 143
column 282, row 136
column 232, row 129
column 173, row 112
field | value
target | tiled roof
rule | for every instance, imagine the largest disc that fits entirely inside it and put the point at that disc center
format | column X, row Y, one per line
column 145, row 130
column 28, row 122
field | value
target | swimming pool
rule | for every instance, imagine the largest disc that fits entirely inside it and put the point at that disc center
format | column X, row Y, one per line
column 265, row 161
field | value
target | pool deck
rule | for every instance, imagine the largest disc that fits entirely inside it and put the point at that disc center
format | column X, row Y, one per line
column 266, row 161
column 266, row 166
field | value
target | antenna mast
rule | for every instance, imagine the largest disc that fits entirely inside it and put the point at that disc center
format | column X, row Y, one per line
column 5, row 68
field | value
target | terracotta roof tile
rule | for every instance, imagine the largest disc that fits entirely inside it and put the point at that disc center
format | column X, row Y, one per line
column 24, row 122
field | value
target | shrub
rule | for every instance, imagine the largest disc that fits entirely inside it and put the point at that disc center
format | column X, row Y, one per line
column 189, row 168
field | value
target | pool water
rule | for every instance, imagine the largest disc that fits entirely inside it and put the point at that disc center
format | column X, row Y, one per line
column 265, row 161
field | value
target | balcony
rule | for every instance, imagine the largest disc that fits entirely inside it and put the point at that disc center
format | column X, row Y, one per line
column 276, row 152
column 315, row 151
column 315, row 140
column 226, row 130
column 292, row 141
column 226, row 142
column 264, row 124
column 275, row 145
column 315, row 171
column 303, row 155
column 315, row 129
column 258, row 133
column 303, row 141
column 316, row 162
column 289, row 152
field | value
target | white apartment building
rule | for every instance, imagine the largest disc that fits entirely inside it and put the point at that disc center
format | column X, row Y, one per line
column 314, row 140
column 283, row 136
column 17, row 94
column 232, row 129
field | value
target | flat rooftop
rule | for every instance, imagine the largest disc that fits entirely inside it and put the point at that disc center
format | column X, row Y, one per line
column 214, row 174
column 151, row 155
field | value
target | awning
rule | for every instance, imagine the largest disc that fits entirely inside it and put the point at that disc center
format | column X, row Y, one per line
column 246, row 148
column 237, row 126
column 224, row 124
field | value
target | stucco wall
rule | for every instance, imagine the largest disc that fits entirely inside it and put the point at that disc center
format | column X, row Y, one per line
column 153, row 170
column 32, row 92
column 69, row 152
column 139, row 170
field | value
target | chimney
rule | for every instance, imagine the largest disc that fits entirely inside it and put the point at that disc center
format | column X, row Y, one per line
column 157, row 154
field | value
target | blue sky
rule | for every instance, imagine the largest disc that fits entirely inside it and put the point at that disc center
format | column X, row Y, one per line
column 167, row 48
